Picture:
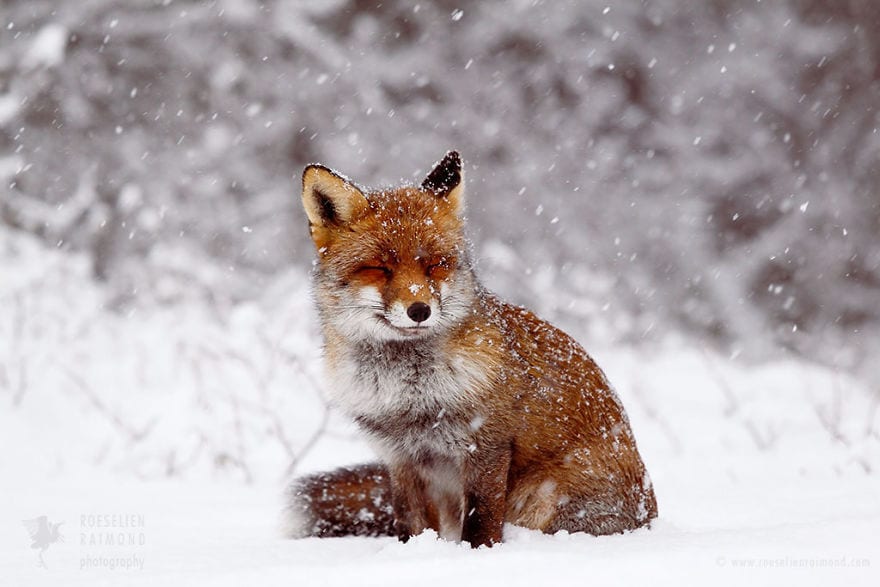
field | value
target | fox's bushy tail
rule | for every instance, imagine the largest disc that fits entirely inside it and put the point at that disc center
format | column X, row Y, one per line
column 349, row 501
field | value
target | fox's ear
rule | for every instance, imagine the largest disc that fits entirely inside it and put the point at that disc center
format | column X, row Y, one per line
column 446, row 180
column 329, row 198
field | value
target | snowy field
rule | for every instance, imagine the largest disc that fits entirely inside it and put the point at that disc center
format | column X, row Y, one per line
column 173, row 430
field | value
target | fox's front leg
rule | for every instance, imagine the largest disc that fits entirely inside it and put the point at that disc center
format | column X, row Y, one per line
column 412, row 513
column 485, row 498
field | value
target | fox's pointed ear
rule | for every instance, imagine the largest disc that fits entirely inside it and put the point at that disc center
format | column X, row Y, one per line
column 329, row 198
column 446, row 180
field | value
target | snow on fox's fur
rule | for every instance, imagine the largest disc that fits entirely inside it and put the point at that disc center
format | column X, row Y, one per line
column 481, row 412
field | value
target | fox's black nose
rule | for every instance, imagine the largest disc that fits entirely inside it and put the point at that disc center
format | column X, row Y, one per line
column 419, row 311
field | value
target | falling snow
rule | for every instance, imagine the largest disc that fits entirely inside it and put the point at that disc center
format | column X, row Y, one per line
column 690, row 192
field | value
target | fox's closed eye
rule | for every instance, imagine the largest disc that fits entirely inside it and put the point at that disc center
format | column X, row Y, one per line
column 439, row 269
column 374, row 269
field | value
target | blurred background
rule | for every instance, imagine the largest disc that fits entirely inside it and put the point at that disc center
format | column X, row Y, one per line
column 707, row 172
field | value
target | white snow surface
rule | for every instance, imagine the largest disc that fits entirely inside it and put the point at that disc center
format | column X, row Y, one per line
column 172, row 429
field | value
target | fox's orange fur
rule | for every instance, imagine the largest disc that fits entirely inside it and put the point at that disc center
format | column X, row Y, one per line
column 482, row 413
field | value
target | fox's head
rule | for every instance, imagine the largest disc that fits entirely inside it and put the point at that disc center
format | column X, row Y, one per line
column 392, row 264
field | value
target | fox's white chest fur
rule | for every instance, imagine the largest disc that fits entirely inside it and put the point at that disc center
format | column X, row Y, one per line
column 411, row 398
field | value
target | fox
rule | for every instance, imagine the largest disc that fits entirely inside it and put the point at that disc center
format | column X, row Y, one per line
column 480, row 412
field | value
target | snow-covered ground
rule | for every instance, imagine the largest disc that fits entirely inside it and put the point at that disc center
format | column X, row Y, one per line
column 172, row 430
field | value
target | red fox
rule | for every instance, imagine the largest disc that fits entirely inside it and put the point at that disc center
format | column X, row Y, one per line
column 481, row 412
